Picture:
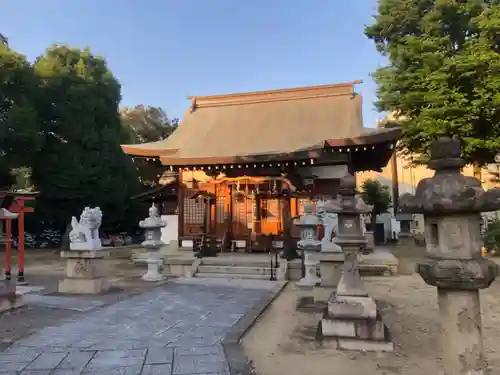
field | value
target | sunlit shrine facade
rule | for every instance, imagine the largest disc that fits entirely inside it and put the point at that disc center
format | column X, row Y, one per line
column 247, row 163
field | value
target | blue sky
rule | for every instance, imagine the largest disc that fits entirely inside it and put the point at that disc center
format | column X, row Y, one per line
column 163, row 50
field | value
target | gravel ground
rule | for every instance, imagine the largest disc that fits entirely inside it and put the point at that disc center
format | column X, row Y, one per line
column 283, row 340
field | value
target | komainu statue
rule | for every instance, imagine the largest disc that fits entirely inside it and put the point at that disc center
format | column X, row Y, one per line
column 84, row 234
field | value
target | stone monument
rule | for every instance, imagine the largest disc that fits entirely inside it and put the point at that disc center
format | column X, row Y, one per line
column 331, row 257
column 85, row 273
column 452, row 206
column 310, row 245
column 352, row 318
column 152, row 226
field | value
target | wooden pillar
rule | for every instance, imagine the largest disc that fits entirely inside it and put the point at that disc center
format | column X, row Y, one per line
column 257, row 221
column 180, row 206
column 230, row 208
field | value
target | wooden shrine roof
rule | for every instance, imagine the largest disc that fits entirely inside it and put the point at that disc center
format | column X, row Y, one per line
column 265, row 125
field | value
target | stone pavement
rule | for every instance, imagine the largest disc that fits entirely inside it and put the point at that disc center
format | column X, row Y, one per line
column 175, row 329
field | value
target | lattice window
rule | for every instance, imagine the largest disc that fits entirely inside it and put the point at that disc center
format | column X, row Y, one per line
column 194, row 211
column 221, row 211
column 168, row 208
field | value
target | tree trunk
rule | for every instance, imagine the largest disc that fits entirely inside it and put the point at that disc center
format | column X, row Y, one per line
column 395, row 182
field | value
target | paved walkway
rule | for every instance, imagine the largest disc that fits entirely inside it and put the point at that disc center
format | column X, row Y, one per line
column 175, row 329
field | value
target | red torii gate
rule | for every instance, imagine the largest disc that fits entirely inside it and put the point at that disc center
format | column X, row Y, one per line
column 19, row 207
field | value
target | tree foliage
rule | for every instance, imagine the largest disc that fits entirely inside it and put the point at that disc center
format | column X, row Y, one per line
column 442, row 77
column 377, row 195
column 19, row 126
column 143, row 124
column 146, row 124
column 3, row 40
column 81, row 162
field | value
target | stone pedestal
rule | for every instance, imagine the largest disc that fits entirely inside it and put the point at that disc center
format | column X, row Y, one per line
column 8, row 298
column 85, row 272
column 330, row 266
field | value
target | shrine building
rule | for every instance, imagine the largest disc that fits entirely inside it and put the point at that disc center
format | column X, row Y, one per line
column 247, row 163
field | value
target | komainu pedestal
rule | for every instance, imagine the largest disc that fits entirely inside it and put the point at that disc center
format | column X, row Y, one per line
column 85, row 272
column 352, row 317
column 85, row 267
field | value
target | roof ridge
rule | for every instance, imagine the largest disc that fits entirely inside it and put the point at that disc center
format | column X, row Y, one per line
column 304, row 92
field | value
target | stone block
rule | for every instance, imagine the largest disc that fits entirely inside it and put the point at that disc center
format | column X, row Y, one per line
column 85, row 268
column 338, row 328
column 381, row 258
column 352, row 307
column 83, row 286
column 365, row 345
column 370, row 329
column 90, row 254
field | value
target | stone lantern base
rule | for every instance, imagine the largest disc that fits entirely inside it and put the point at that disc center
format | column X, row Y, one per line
column 356, row 324
column 154, row 262
column 85, row 272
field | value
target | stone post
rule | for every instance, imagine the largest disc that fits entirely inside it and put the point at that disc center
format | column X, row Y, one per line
column 309, row 243
column 152, row 242
column 85, row 271
column 451, row 204
column 352, row 317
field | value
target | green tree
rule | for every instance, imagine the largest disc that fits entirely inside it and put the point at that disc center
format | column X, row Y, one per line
column 146, row 124
column 377, row 195
column 442, row 77
column 81, row 162
column 19, row 127
column 3, row 40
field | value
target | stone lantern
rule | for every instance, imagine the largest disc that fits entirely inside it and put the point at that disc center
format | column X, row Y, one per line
column 452, row 204
column 152, row 226
column 309, row 243
column 352, row 317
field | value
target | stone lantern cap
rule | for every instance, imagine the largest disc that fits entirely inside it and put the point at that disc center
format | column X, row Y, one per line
column 448, row 191
column 308, row 218
column 154, row 220
column 349, row 202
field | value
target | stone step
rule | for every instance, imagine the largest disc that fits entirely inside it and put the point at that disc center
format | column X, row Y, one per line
column 235, row 263
column 231, row 276
column 235, row 270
